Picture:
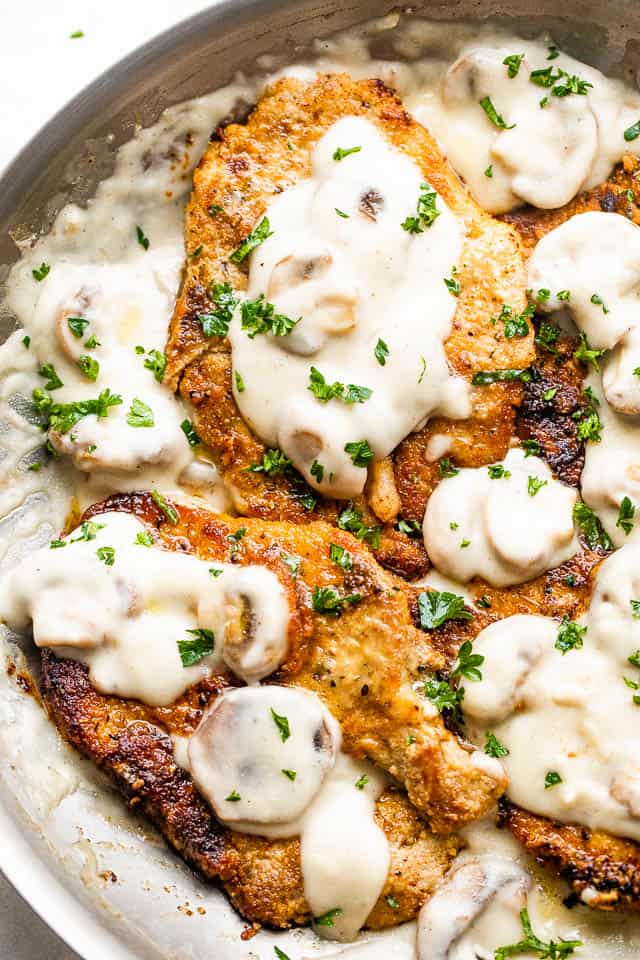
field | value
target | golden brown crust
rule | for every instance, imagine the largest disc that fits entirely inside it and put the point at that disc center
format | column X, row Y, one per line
column 240, row 173
column 604, row 870
column 361, row 664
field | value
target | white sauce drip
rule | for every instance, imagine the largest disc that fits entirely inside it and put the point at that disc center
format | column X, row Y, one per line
column 476, row 526
column 261, row 780
column 124, row 620
column 352, row 280
column 474, row 911
column 596, row 257
column 574, row 707
column 577, row 138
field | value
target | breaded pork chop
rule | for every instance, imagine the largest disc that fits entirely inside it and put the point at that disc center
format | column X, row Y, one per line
column 365, row 665
column 603, row 870
column 240, row 172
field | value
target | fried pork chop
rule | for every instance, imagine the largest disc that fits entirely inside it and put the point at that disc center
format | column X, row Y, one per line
column 363, row 665
column 242, row 169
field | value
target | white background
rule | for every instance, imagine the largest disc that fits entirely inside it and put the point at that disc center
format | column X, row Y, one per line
column 41, row 68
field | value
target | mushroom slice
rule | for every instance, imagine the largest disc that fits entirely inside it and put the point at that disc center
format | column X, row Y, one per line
column 468, row 891
column 261, row 755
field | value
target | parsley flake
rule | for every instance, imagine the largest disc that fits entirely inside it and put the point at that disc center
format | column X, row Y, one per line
column 77, row 325
column 586, row 354
column 39, row 273
column 215, row 323
column 632, row 132
column 107, row 555
column 626, row 514
column 323, row 391
column 253, row 240
column 552, row 779
column 328, row 919
column 512, row 63
column 436, row 607
column 48, row 372
column 169, row 511
column 140, row 414
column 381, row 352
column 274, row 463
column 340, row 556
column 493, row 747
column 570, row 636
column 340, row 152
column 446, row 469
column 259, row 316
column 360, row 452
column 89, row 367
column 328, row 601
column 233, row 797
column 468, row 663
column 591, row 527
column 534, row 485
column 142, row 239
column 190, row 433
column 532, row 944
column 282, row 723
column 496, row 119
column 143, row 539
column 361, row 782
column 427, row 212
column 350, row 519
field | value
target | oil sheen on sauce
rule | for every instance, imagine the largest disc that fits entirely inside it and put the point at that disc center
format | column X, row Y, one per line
column 105, row 273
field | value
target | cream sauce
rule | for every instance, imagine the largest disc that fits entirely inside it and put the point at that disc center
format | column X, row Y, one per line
column 506, row 529
column 353, row 280
column 149, row 186
column 578, row 137
column 594, row 258
column 268, row 761
column 574, row 705
column 127, row 609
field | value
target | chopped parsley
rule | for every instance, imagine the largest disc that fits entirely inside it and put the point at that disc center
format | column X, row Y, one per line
column 599, row 302
column 591, row 527
column 452, row 283
column 436, row 607
column 586, row 354
column 534, row 485
column 423, row 369
column 564, row 295
column 39, row 273
column 341, row 152
column 496, row 119
column 48, row 372
column 552, row 779
column 89, row 367
column 626, row 514
column 282, row 723
column 140, row 414
column 484, row 601
column 107, row 555
column 569, row 580
column 323, row 391
column 443, row 696
column 381, row 352
column 327, row 600
column 317, row 471
column 548, row 335
column 496, row 472
column 328, row 919
column 26, row 341
column 233, row 797
column 553, row 950
column 77, row 325
column 392, row 902
column 464, row 544
column 468, row 663
column 215, row 323
column 196, row 647
column 484, row 377
column 589, row 423
column 169, row 511
column 549, row 394
column 143, row 539
column 532, row 448
column 274, row 463
column 446, row 470
column 361, row 782
column 253, row 240
column 290, row 774
column 493, row 747
column 340, row 556
column 360, row 452
column 632, row 132
column 190, row 433
column 88, row 531
column 61, row 417
column 56, row 544
column 515, row 325
column 350, row 519
column 240, row 387
column 235, row 538
column 489, row 171
column 553, row 53
column 259, row 316
column 215, row 572
column 570, row 636
column 76, row 35
column 635, row 607
column 214, row 209
column 292, row 562
column 156, row 362
column 427, row 212
column 512, row 63
column 341, row 213
column 560, row 82
column 142, row 239
column 410, row 527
